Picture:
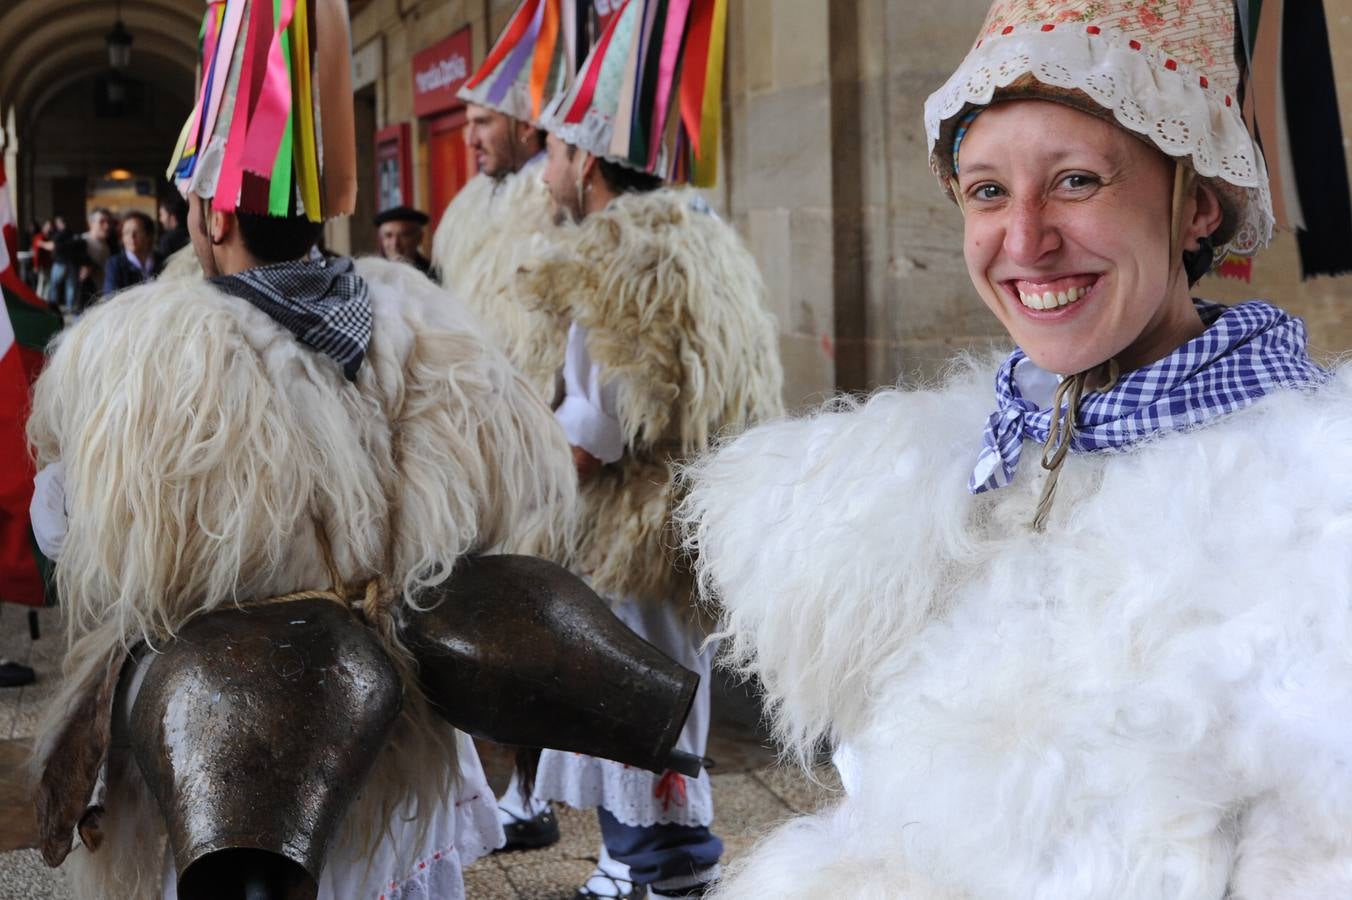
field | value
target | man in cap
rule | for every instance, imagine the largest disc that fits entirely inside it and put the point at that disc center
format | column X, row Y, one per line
column 400, row 233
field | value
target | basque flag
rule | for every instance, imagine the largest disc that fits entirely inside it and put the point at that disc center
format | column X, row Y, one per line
column 25, row 329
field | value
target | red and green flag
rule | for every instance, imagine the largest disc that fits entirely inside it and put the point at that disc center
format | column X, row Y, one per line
column 25, row 329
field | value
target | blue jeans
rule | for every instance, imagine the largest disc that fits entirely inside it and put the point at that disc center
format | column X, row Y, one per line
column 64, row 287
column 660, row 852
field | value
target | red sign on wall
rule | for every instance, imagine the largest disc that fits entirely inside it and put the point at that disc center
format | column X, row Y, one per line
column 439, row 71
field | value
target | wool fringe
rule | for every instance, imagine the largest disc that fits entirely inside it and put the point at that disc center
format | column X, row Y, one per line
column 488, row 232
column 202, row 445
column 676, row 313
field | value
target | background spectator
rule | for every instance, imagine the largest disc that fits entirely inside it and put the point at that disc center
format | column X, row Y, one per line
column 174, row 222
column 68, row 254
column 42, row 248
column 138, row 260
column 99, row 240
column 400, row 232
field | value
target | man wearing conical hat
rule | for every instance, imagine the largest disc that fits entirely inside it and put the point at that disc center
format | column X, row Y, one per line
column 669, row 346
column 500, row 218
column 1085, row 636
column 291, row 423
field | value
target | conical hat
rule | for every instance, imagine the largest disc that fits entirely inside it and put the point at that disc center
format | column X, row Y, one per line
column 649, row 95
column 533, row 60
column 1164, row 70
column 272, row 132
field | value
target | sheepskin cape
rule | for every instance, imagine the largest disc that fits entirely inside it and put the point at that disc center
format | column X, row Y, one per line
column 1152, row 699
column 675, row 312
column 205, row 449
column 488, row 232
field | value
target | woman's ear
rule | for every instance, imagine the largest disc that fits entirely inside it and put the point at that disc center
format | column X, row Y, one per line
column 1206, row 217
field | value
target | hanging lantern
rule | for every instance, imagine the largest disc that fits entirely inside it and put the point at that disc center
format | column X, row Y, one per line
column 119, row 42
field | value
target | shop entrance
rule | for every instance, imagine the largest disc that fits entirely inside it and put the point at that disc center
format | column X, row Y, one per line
column 448, row 162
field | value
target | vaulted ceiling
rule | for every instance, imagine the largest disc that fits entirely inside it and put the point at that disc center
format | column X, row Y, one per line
column 47, row 45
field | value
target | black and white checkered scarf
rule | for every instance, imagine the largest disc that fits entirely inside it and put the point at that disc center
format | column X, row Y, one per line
column 323, row 302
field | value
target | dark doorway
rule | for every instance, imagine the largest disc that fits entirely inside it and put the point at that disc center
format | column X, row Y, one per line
column 363, row 233
column 68, row 199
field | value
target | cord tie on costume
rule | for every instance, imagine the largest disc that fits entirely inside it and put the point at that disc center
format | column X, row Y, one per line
column 373, row 600
column 1062, row 431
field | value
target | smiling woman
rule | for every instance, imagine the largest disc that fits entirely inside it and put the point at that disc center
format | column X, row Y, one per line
column 1133, row 685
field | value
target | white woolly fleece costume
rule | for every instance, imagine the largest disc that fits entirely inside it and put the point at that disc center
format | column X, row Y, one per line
column 1152, row 699
column 203, row 446
column 670, row 346
column 489, row 231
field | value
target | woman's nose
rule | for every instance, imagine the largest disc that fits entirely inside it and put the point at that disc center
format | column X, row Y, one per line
column 1031, row 232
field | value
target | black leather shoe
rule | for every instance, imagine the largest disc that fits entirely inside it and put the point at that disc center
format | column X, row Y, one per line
column 531, row 834
column 14, row 674
column 694, row 892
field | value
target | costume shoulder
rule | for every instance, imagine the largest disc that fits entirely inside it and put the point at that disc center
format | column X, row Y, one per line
column 484, row 438
column 461, row 232
column 800, row 526
column 490, row 231
column 482, row 231
column 155, row 400
column 676, row 313
column 182, row 263
column 204, row 446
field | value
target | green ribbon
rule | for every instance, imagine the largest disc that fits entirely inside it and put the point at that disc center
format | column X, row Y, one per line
column 281, row 196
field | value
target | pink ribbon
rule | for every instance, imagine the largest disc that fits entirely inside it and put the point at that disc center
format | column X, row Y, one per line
column 220, row 72
column 274, row 102
column 672, row 40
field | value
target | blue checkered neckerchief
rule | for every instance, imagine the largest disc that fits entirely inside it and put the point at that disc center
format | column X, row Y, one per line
column 1246, row 351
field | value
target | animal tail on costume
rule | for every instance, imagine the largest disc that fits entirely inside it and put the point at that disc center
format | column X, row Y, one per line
column 128, row 863
column 121, row 853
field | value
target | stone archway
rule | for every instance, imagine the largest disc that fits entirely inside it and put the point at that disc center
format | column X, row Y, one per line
column 53, row 63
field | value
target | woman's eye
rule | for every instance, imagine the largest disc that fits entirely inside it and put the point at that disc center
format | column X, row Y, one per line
column 1079, row 181
column 986, row 192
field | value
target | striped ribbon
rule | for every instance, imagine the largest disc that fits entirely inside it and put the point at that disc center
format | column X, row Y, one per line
column 673, row 42
column 544, row 56
column 519, row 56
column 510, row 38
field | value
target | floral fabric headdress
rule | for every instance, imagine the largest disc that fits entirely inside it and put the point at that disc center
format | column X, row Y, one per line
column 1164, row 70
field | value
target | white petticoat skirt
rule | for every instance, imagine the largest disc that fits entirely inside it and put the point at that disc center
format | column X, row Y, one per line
column 633, row 796
column 461, row 830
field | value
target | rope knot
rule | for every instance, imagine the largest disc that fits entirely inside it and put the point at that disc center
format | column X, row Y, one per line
column 1061, row 434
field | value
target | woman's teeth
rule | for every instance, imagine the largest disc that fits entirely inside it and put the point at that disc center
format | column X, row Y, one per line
column 1052, row 299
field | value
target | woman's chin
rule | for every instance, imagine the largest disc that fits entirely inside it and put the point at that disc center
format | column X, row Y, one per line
column 1063, row 360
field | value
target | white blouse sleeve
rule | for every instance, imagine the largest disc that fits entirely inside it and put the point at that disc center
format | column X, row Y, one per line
column 47, row 511
column 589, row 411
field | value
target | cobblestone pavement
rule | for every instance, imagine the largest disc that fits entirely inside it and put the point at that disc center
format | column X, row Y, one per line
column 751, row 794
